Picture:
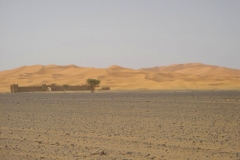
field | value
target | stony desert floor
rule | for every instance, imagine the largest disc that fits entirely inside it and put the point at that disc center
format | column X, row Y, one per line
column 120, row 125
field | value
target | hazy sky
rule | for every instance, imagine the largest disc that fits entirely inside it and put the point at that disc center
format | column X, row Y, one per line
column 129, row 33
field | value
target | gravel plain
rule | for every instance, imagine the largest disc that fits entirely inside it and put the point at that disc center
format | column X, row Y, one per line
column 120, row 125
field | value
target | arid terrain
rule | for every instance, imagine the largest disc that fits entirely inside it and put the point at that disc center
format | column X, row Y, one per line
column 120, row 125
column 190, row 76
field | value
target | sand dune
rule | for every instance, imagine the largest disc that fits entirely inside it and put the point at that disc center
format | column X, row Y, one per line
column 178, row 76
column 196, row 69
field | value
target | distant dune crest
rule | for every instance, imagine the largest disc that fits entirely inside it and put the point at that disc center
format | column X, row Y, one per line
column 176, row 76
column 196, row 69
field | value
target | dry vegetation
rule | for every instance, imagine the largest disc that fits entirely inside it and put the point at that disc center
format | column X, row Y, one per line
column 120, row 125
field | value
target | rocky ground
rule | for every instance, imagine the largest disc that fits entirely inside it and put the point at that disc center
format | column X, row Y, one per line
column 120, row 125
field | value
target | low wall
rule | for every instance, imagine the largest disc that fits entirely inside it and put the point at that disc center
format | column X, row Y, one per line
column 30, row 89
column 15, row 88
column 76, row 88
column 105, row 88
column 72, row 88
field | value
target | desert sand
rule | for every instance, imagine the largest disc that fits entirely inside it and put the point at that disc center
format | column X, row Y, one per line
column 120, row 125
column 189, row 76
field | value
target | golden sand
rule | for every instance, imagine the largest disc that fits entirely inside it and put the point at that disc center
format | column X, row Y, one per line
column 179, row 76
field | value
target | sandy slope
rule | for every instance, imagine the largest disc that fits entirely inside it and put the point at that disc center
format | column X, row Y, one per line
column 196, row 69
column 179, row 76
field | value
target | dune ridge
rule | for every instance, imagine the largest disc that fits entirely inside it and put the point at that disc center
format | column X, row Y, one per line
column 177, row 76
column 196, row 69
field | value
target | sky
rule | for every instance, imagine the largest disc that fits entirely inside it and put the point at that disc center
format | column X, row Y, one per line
column 130, row 33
